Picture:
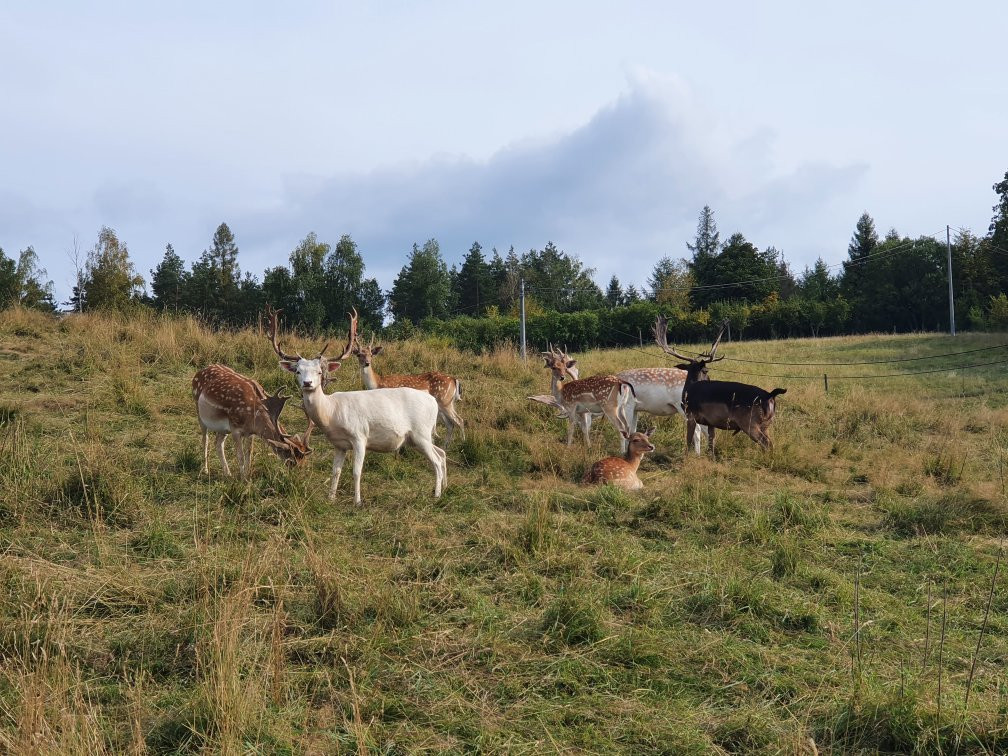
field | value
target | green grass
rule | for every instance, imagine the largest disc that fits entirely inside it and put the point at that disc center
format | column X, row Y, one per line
column 148, row 607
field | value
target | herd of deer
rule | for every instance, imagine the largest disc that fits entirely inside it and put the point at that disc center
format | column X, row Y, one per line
column 403, row 409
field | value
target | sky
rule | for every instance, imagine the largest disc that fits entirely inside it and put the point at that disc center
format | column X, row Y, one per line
column 602, row 127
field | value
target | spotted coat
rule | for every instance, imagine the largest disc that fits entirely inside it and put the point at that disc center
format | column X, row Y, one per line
column 622, row 471
column 230, row 403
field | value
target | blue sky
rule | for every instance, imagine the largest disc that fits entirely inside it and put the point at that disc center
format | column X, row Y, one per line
column 602, row 127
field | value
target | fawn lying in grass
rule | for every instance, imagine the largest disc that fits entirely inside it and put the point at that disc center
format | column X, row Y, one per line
column 622, row 471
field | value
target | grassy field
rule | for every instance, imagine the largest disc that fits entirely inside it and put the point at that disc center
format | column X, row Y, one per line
column 827, row 597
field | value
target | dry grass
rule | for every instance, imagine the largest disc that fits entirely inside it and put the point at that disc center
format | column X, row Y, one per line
column 146, row 608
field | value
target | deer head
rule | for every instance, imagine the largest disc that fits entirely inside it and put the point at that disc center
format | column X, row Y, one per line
column 294, row 448
column 695, row 367
column 560, row 363
column 639, row 442
column 311, row 374
column 364, row 354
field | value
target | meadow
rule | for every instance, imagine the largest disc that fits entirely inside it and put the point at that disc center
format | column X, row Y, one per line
column 830, row 596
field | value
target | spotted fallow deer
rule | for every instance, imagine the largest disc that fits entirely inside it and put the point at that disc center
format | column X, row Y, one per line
column 444, row 388
column 727, row 405
column 361, row 421
column 578, row 399
column 657, row 391
column 230, row 403
column 622, row 471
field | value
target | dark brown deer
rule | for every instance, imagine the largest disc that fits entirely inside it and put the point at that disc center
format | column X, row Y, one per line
column 727, row 405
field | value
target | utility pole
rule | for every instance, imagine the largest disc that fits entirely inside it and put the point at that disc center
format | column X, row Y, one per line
column 948, row 246
column 524, row 355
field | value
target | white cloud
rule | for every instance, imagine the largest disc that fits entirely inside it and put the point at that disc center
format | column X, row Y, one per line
column 622, row 190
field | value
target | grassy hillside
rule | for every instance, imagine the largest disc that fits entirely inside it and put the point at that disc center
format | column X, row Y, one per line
column 146, row 608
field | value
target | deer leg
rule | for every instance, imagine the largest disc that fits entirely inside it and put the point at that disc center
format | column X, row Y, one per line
column 613, row 416
column 358, row 468
column 221, row 438
column 691, row 437
column 337, row 468
column 206, row 452
column 710, row 439
column 457, row 419
column 705, row 432
column 448, row 424
column 586, row 427
column 571, row 421
column 631, row 421
column 437, row 458
column 241, row 444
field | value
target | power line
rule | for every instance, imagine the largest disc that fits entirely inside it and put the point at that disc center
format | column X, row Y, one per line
column 868, row 362
column 867, row 377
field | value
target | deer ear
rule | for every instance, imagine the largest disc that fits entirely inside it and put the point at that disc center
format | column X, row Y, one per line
column 571, row 363
column 289, row 365
column 625, row 434
column 276, row 444
column 377, row 350
column 683, row 366
column 333, row 364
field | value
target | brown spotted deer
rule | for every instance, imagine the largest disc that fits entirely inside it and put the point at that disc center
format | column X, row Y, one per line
column 578, row 399
column 727, row 405
column 657, row 391
column 622, row 471
column 381, row 420
column 444, row 388
column 230, row 403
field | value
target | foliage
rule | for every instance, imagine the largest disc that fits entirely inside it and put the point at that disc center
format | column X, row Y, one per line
column 22, row 283
column 110, row 282
column 423, row 288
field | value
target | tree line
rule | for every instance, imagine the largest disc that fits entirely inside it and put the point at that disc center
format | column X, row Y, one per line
column 890, row 283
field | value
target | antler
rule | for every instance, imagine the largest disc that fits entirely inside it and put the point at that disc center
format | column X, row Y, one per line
column 714, row 346
column 661, row 339
column 351, row 335
column 273, row 316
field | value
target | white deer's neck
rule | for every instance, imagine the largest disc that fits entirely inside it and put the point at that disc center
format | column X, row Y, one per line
column 318, row 406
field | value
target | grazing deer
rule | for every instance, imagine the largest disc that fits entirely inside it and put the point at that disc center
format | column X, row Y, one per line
column 578, row 399
column 381, row 420
column 622, row 471
column 727, row 405
column 444, row 388
column 230, row 403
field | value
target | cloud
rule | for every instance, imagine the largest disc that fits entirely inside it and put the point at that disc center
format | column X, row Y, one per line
column 620, row 191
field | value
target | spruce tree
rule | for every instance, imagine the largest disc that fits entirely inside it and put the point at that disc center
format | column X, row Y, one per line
column 168, row 281
column 862, row 244
column 473, row 284
column 423, row 287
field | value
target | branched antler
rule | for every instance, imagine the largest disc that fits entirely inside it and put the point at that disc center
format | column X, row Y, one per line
column 661, row 339
column 273, row 316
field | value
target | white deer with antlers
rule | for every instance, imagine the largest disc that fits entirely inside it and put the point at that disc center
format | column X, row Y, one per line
column 361, row 421
column 444, row 388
